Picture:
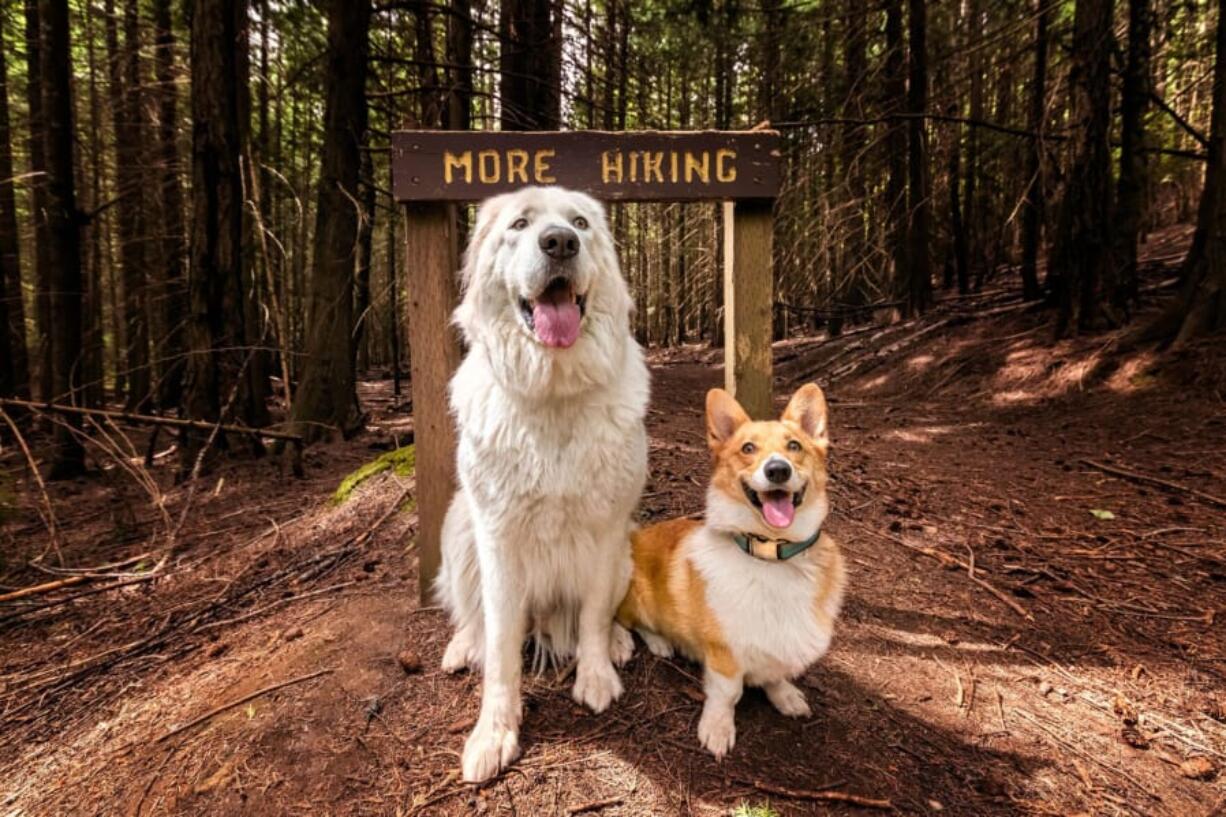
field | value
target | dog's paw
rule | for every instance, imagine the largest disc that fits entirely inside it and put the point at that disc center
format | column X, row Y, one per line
column 717, row 730
column 621, row 645
column 657, row 645
column 463, row 653
column 597, row 686
column 788, row 699
column 489, row 749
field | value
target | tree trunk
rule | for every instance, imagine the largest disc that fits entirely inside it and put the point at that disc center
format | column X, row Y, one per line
column 1130, row 190
column 125, row 92
column 14, row 362
column 854, row 136
column 366, row 237
column 38, row 205
column 973, row 223
column 1200, row 308
column 63, row 231
column 327, row 396
column 1034, row 203
column 530, row 65
column 1081, row 260
column 171, row 245
column 896, row 139
column 215, row 332
column 919, row 280
column 460, row 57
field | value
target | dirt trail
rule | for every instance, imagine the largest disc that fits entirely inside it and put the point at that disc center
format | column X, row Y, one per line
column 1025, row 633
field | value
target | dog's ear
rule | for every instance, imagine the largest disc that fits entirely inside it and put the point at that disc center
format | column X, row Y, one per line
column 487, row 215
column 724, row 417
column 807, row 409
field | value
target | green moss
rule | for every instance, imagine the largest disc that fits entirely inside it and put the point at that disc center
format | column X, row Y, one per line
column 754, row 810
column 401, row 462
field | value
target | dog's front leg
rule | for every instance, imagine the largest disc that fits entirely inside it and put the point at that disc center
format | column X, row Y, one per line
column 596, row 681
column 494, row 742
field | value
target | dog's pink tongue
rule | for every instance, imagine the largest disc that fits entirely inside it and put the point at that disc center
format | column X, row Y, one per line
column 556, row 322
column 777, row 509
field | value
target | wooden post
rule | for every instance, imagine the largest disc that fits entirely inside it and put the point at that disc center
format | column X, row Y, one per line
column 748, row 237
column 430, row 274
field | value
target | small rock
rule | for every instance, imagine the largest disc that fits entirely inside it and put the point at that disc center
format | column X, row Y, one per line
column 409, row 662
column 292, row 634
column 1044, row 688
column 935, row 805
column 1198, row 768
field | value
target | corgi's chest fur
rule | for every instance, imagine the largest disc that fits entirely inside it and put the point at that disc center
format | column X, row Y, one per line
column 776, row 618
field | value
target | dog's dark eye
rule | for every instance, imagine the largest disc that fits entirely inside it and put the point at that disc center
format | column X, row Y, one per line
column 519, row 224
column 793, row 445
column 580, row 222
column 748, row 448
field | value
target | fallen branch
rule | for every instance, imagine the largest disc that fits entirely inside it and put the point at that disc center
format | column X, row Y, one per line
column 149, row 419
column 46, row 587
column 251, row 696
column 821, row 793
column 1137, row 477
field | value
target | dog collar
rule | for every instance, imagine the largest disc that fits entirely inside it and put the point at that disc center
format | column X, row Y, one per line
column 773, row 550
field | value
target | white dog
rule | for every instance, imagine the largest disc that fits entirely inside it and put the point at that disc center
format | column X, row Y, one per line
column 552, row 457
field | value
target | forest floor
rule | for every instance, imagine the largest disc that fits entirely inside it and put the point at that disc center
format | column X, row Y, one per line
column 1035, row 622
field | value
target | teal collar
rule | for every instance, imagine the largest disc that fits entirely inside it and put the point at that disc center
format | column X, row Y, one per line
column 773, row 550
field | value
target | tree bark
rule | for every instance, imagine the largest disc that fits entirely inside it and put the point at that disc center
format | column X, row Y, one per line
column 327, row 396
column 215, row 332
column 171, row 244
column 14, row 361
column 896, row 138
column 530, row 64
column 37, row 152
column 1034, row 202
column 1130, row 192
column 125, row 93
column 919, row 280
column 1081, row 260
column 63, row 231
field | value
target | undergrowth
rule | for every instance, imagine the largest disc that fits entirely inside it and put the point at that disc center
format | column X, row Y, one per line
column 401, row 462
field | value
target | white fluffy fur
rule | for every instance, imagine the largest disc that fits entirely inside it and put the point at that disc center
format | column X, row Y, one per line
column 552, row 458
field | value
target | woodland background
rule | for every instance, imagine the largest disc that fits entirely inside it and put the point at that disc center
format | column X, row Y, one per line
column 195, row 217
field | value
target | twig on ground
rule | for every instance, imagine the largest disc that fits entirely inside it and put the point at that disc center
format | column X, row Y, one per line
column 250, row 696
column 268, row 607
column 946, row 559
column 45, row 587
column 1138, row 477
column 821, row 793
column 595, row 805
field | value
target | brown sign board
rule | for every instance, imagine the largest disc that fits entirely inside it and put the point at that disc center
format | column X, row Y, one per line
column 622, row 166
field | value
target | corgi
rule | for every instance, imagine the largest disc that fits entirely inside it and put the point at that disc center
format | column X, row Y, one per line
column 753, row 590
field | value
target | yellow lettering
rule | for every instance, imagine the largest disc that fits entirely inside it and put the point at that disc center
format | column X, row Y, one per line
column 672, row 162
column 540, row 167
column 634, row 165
column 725, row 172
column 693, row 166
column 651, row 164
column 610, row 164
column 451, row 162
column 517, row 165
column 489, row 166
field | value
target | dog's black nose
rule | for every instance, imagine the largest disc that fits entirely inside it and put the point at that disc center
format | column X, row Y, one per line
column 559, row 243
column 777, row 471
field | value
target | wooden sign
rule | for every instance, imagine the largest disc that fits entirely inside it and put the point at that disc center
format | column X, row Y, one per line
column 432, row 170
column 626, row 166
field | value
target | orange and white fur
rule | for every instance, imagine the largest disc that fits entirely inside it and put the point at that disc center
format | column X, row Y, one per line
column 750, row 619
